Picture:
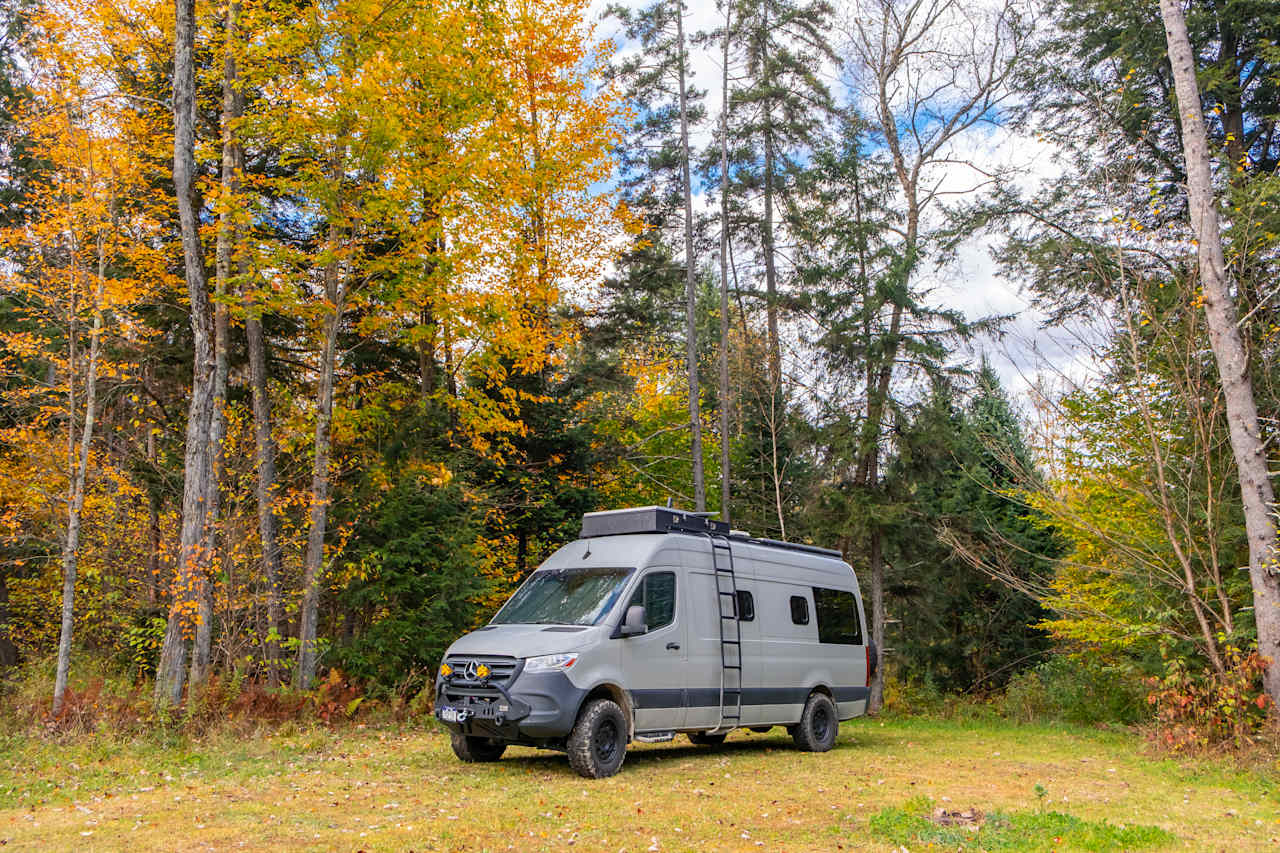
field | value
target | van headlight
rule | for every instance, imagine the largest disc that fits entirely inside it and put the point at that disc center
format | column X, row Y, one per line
column 549, row 663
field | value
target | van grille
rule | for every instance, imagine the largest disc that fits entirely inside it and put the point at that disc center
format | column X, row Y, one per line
column 503, row 667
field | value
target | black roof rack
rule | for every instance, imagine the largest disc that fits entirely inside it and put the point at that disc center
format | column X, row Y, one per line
column 790, row 546
column 659, row 519
column 649, row 519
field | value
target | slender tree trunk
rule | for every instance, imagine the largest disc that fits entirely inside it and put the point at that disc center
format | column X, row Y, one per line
column 308, row 659
column 1228, row 348
column 770, row 264
column 153, row 530
column 197, row 461
column 75, row 502
column 427, row 367
column 691, row 325
column 725, row 482
column 776, row 404
column 770, row 260
column 450, row 376
column 202, row 650
column 268, row 523
column 264, row 444
column 876, row 558
column 335, row 289
column 775, row 464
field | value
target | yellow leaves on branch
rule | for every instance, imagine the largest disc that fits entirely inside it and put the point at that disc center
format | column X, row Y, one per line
column 454, row 158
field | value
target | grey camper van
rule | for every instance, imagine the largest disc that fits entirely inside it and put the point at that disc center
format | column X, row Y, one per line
column 656, row 622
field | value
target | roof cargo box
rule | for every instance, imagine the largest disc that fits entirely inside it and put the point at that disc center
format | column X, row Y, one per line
column 649, row 519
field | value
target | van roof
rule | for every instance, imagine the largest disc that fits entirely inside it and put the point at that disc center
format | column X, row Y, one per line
column 658, row 519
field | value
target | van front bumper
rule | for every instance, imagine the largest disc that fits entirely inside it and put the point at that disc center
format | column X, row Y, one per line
column 533, row 707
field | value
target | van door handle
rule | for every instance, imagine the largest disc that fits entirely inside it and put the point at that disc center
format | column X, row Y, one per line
column 673, row 647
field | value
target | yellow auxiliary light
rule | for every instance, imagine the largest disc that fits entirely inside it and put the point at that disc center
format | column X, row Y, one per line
column 482, row 671
column 445, row 670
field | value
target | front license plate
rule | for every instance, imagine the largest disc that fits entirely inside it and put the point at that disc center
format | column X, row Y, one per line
column 449, row 715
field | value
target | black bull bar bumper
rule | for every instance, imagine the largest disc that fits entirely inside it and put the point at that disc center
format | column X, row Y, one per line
column 479, row 707
column 532, row 707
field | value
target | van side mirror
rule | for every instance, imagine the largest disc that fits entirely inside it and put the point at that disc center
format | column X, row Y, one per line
column 633, row 623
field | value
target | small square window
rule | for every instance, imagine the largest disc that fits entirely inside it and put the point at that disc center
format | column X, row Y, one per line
column 746, row 606
column 799, row 610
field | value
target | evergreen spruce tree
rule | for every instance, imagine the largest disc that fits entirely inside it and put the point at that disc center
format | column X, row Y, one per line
column 779, row 108
column 658, row 168
column 871, row 322
column 955, row 466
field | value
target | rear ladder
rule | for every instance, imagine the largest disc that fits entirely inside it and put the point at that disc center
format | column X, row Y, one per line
column 730, row 634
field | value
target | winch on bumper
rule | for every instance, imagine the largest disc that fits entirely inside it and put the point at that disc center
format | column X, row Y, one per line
column 511, row 705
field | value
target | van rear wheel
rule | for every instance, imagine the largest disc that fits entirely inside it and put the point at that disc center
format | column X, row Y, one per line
column 706, row 738
column 598, row 742
column 473, row 749
column 819, row 724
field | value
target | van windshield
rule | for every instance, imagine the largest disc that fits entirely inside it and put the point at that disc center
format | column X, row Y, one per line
column 577, row 596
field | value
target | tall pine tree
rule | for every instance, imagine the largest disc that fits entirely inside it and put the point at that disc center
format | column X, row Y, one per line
column 659, row 170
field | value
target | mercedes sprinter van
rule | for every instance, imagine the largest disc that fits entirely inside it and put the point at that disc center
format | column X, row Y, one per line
column 658, row 621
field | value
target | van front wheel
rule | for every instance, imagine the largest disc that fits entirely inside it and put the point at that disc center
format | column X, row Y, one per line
column 598, row 742
column 476, row 748
column 818, row 726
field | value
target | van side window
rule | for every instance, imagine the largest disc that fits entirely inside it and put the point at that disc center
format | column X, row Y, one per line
column 837, row 612
column 657, row 592
column 799, row 610
column 746, row 606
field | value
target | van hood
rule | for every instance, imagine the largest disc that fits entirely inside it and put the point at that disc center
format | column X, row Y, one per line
column 524, row 641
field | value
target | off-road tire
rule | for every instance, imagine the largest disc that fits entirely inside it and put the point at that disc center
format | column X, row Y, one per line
column 598, row 742
column 819, row 724
column 474, row 749
column 706, row 738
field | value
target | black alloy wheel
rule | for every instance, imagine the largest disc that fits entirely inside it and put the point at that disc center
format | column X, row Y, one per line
column 819, row 724
column 598, row 743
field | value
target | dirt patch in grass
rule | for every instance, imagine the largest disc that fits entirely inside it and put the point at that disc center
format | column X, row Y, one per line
column 400, row 787
column 918, row 822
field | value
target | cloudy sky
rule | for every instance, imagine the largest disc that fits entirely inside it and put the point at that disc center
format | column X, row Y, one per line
column 1025, row 352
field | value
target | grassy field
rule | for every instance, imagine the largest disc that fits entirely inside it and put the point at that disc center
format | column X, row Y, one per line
column 401, row 789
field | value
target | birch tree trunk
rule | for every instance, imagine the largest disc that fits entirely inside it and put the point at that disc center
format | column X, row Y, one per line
column 264, row 444
column 225, row 258
column 1228, row 348
column 691, row 327
column 197, row 459
column 335, row 290
column 725, row 482
column 308, row 659
column 75, row 502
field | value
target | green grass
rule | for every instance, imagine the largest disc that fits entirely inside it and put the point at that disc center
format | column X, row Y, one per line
column 1024, row 831
column 397, row 787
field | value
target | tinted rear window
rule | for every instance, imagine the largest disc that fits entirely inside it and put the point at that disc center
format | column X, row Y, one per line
column 837, row 612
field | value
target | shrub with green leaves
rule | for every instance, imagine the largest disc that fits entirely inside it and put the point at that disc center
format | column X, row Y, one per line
column 414, row 579
column 1076, row 688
